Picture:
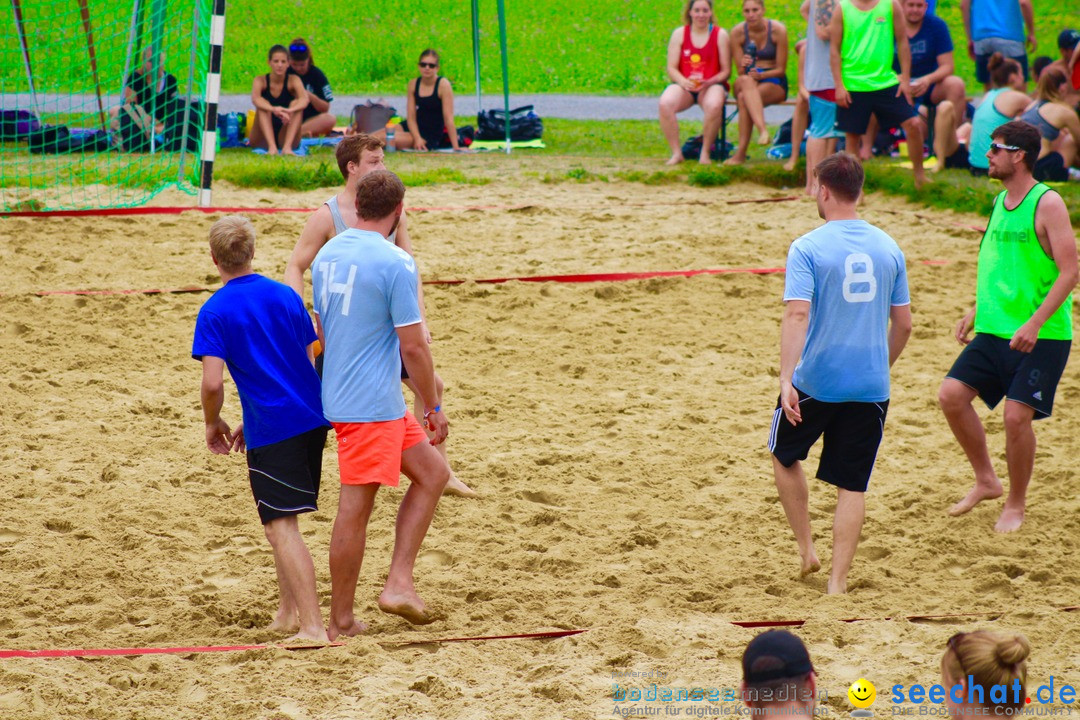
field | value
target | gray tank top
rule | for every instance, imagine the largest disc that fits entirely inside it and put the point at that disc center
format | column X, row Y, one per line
column 816, row 71
column 339, row 222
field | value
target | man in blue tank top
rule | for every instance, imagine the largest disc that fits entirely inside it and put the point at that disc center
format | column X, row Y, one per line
column 846, row 320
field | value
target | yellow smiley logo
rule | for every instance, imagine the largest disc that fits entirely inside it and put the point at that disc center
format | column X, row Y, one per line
column 862, row 693
column 695, row 58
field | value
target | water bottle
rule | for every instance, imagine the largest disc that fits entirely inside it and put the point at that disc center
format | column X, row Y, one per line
column 751, row 52
column 232, row 128
column 390, row 138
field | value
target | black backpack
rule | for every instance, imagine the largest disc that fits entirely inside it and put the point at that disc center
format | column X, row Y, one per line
column 524, row 124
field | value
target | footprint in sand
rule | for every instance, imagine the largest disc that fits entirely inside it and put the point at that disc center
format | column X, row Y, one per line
column 7, row 535
column 540, row 498
column 435, row 558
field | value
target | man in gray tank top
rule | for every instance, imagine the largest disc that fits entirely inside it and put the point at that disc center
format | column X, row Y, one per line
column 817, row 76
column 358, row 155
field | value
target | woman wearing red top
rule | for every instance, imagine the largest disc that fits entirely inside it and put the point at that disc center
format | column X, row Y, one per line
column 699, row 64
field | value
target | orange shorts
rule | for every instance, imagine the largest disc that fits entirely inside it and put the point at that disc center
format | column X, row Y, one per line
column 371, row 452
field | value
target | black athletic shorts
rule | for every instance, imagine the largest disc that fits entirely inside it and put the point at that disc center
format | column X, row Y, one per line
column 1051, row 168
column 994, row 370
column 285, row 475
column 852, row 432
column 891, row 111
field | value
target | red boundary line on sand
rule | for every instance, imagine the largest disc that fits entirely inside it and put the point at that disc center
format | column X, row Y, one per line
column 99, row 212
column 583, row 278
column 110, row 652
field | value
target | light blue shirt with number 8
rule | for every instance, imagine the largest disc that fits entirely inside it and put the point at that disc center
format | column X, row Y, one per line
column 852, row 274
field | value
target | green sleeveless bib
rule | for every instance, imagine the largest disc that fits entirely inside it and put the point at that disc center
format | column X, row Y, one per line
column 866, row 53
column 1015, row 273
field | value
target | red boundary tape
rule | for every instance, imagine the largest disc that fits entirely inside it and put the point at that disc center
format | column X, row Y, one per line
column 111, row 652
column 583, row 278
column 101, row 212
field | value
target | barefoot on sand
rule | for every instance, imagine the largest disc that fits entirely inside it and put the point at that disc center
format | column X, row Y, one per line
column 809, row 566
column 675, row 159
column 408, row 606
column 284, row 626
column 458, row 488
column 352, row 629
column 977, row 494
column 735, row 160
column 1010, row 520
column 303, row 639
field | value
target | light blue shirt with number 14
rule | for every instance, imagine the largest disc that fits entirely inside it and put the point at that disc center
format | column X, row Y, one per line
column 852, row 274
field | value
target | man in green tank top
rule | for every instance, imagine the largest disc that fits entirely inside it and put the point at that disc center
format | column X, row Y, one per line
column 862, row 37
column 1022, row 320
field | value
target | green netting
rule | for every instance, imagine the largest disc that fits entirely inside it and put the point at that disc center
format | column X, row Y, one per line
column 112, row 156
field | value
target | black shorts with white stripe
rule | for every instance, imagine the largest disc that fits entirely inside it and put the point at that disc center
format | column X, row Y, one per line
column 852, row 432
column 285, row 475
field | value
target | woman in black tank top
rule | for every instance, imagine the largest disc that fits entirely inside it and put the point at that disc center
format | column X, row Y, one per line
column 430, row 115
column 279, row 103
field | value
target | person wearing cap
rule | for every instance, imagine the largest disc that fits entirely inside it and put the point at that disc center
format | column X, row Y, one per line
column 778, row 677
column 318, row 120
column 1068, row 42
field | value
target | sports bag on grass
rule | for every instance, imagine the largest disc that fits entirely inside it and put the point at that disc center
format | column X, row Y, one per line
column 524, row 124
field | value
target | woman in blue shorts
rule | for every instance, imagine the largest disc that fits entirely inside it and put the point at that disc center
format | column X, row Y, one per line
column 759, row 48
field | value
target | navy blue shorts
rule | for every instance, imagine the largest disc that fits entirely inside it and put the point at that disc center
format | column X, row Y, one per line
column 994, row 370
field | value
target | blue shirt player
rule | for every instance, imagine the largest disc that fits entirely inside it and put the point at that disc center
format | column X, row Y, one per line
column 846, row 321
column 260, row 329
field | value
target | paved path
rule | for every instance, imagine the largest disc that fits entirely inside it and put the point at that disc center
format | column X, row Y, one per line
column 575, row 107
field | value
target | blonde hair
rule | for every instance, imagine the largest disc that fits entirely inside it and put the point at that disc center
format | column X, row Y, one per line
column 990, row 659
column 232, row 242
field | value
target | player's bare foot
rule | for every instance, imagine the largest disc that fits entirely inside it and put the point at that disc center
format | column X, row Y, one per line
column 407, row 605
column 810, row 565
column 836, row 587
column 314, row 637
column 675, row 159
column 350, row 628
column 459, row 489
column 1010, row 519
column 763, row 137
column 284, row 623
column 705, row 160
column 789, row 166
column 921, row 180
column 979, row 492
column 288, row 151
column 735, row 159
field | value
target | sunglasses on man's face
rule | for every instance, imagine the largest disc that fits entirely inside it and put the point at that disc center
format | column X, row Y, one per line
column 429, row 65
column 994, row 147
column 298, row 48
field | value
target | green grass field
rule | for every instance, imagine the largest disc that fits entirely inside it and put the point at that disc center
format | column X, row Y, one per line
column 556, row 46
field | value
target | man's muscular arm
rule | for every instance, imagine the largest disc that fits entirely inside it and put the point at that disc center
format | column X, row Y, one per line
column 823, row 12
column 316, row 232
column 1053, row 228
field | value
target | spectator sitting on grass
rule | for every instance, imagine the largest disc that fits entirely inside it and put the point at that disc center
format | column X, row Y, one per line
column 1003, row 103
column 429, row 123
column 279, row 98
column 759, row 48
column 1057, row 123
column 699, row 65
column 317, row 120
